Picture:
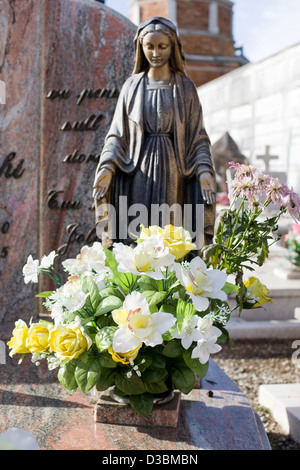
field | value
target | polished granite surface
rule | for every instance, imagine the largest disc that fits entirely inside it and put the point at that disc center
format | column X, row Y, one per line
column 216, row 417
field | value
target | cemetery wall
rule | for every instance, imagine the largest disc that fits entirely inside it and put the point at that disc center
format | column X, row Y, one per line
column 259, row 105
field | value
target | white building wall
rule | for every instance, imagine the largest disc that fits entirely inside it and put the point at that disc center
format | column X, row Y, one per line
column 259, row 105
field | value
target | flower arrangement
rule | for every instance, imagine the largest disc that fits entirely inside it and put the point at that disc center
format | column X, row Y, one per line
column 292, row 238
column 242, row 237
column 143, row 321
column 138, row 319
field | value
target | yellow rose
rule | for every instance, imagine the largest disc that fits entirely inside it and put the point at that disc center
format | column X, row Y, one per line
column 69, row 341
column 17, row 343
column 124, row 357
column 258, row 291
column 178, row 240
column 38, row 337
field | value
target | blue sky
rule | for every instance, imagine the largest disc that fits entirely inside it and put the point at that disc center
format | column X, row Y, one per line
column 262, row 27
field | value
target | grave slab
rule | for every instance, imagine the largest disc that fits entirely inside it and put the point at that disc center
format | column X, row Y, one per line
column 283, row 400
column 284, row 292
column 239, row 328
column 216, row 417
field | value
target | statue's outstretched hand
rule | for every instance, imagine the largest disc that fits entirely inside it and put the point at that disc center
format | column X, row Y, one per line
column 102, row 183
column 208, row 187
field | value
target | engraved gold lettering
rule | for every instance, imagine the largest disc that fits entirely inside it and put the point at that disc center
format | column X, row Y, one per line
column 77, row 157
column 89, row 124
column 58, row 94
column 53, row 203
column 98, row 93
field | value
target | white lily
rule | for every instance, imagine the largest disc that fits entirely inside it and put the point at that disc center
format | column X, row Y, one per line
column 207, row 329
column 190, row 332
column 137, row 325
column 89, row 259
column 205, row 347
column 201, row 283
column 30, row 270
column 47, row 261
column 72, row 296
column 146, row 258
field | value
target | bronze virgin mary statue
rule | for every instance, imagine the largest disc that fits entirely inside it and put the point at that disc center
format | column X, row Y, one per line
column 157, row 150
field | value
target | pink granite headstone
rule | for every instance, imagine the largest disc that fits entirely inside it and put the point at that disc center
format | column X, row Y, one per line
column 63, row 68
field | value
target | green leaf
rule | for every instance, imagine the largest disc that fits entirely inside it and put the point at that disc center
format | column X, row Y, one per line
column 172, row 349
column 45, row 294
column 157, row 359
column 158, row 387
column 108, row 291
column 184, row 312
column 111, row 259
column 154, row 375
column 262, row 252
column 90, row 287
column 183, row 378
column 66, row 376
column 104, row 337
column 147, row 362
column 87, row 374
column 130, row 386
column 142, row 404
column 154, row 297
column 148, row 283
column 106, row 360
column 124, row 280
column 106, row 380
column 195, row 365
column 169, row 307
column 228, row 288
column 108, row 304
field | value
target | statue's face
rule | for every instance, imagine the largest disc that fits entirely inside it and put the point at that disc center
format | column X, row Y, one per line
column 157, row 48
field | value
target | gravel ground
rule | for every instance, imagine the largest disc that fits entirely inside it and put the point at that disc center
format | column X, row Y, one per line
column 253, row 363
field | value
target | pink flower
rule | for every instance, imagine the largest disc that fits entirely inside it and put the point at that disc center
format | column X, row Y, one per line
column 296, row 228
column 291, row 202
column 252, row 184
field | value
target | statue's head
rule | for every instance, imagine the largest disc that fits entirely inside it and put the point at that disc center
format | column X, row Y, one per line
column 167, row 28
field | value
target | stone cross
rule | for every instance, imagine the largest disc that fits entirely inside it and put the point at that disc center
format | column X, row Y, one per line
column 267, row 157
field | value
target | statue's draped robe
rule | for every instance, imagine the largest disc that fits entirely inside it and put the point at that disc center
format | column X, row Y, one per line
column 138, row 151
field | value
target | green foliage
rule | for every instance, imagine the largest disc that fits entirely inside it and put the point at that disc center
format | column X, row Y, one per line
column 104, row 338
column 142, row 404
column 87, row 373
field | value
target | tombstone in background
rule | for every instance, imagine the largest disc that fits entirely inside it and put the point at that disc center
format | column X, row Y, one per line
column 63, row 68
column 226, row 150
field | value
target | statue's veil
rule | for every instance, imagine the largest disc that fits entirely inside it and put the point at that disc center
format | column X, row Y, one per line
column 156, row 23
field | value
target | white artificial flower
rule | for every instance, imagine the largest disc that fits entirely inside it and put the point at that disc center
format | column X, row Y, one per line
column 137, row 325
column 205, row 347
column 47, row 261
column 69, row 296
column 57, row 313
column 30, row 270
column 207, row 329
column 146, row 258
column 89, row 259
column 201, row 283
column 190, row 332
